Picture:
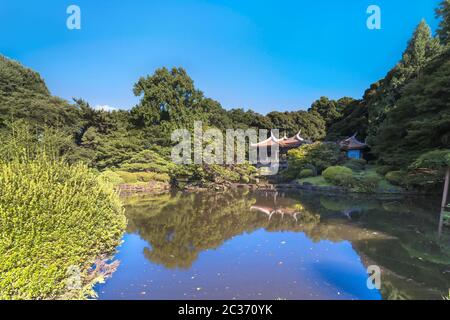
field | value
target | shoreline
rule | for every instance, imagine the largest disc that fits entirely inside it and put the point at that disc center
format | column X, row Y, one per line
column 161, row 188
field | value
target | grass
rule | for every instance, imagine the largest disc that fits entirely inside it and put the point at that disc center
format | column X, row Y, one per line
column 383, row 186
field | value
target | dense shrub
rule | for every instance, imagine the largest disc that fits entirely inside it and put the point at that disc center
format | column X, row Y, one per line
column 320, row 155
column 245, row 179
column 338, row 175
column 424, row 179
column 368, row 183
column 53, row 218
column 217, row 173
column 111, row 177
column 396, row 178
column 135, row 177
column 383, row 170
column 306, row 173
column 436, row 159
column 150, row 161
column 356, row 164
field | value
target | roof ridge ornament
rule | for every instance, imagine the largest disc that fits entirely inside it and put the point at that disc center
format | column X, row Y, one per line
column 272, row 136
column 298, row 136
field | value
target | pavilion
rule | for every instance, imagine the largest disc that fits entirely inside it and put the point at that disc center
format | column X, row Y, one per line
column 284, row 145
column 353, row 147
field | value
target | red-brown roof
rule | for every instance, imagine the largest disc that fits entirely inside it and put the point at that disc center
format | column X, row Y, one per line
column 285, row 142
column 352, row 144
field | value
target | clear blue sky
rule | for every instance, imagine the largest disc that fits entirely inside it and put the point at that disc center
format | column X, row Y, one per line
column 264, row 55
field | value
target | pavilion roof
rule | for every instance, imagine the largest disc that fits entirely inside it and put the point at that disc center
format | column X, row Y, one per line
column 352, row 144
column 285, row 142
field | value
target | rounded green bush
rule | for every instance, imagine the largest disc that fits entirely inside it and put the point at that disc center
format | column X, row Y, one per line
column 54, row 218
column 306, row 173
column 356, row 164
column 396, row 178
column 338, row 175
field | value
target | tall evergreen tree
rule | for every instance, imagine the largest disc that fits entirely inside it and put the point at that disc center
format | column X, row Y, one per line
column 443, row 12
column 421, row 49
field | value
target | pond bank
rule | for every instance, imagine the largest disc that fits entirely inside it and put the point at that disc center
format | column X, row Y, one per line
column 156, row 187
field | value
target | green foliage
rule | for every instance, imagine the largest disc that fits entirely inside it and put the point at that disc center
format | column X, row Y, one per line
column 219, row 174
column 111, row 177
column 149, row 160
column 368, row 183
column 383, row 170
column 396, row 178
column 20, row 140
column 315, row 181
column 356, row 164
column 24, row 95
column 53, row 216
column 319, row 155
column 311, row 124
column 443, row 12
column 306, row 173
column 421, row 120
column 330, row 110
column 338, row 175
column 135, row 177
column 354, row 118
column 424, row 179
column 436, row 159
column 421, row 49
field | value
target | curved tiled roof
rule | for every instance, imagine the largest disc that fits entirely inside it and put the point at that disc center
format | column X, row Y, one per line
column 285, row 142
column 352, row 144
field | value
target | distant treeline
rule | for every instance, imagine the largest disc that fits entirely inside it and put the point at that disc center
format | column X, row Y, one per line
column 401, row 116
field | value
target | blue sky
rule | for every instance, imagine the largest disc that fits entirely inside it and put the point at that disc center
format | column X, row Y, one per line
column 265, row 55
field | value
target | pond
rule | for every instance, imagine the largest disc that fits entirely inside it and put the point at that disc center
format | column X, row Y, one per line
column 267, row 245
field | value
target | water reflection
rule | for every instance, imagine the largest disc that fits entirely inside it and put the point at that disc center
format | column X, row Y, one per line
column 331, row 240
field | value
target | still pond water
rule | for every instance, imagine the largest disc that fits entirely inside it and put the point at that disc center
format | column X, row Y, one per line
column 245, row 245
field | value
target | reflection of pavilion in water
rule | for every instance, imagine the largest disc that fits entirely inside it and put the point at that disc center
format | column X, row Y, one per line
column 277, row 204
column 273, row 207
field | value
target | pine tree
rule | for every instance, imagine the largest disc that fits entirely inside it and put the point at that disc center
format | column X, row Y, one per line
column 422, row 48
column 443, row 12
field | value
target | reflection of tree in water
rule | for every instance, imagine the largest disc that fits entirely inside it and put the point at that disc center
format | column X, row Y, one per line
column 197, row 222
column 397, row 235
column 414, row 263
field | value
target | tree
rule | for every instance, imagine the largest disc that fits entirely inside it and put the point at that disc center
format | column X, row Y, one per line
column 168, row 96
column 329, row 110
column 421, row 49
column 24, row 95
column 443, row 12
column 420, row 121
column 437, row 160
column 311, row 124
